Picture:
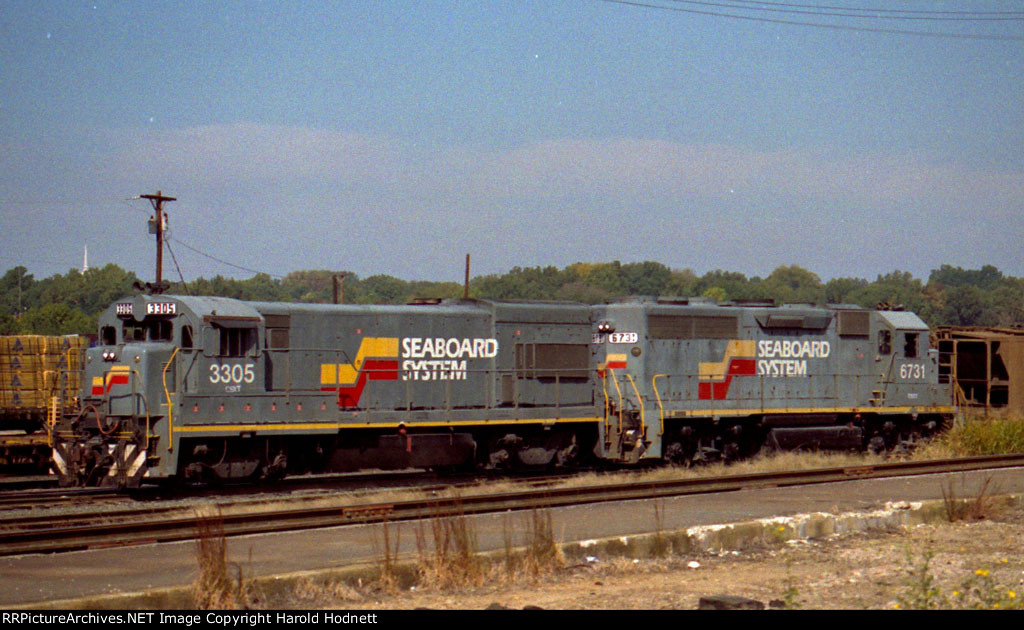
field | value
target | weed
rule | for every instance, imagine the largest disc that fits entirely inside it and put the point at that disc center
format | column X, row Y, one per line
column 388, row 578
column 978, row 435
column 979, row 590
column 978, row 507
column 661, row 546
column 543, row 554
column 790, row 594
column 513, row 560
column 453, row 561
column 214, row 588
column 921, row 592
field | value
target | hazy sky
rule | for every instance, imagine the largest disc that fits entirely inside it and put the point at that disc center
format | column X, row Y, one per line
column 395, row 137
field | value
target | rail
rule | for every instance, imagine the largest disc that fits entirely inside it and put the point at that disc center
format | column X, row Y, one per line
column 38, row 538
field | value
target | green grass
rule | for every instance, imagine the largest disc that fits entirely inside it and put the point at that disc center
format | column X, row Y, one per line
column 978, row 436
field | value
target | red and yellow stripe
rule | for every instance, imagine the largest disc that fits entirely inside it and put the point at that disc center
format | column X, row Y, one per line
column 118, row 375
column 612, row 362
column 716, row 377
column 376, row 360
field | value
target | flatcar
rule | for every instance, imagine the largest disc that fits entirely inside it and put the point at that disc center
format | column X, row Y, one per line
column 207, row 388
column 38, row 383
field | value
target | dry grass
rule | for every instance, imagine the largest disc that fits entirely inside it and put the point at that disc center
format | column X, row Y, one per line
column 962, row 504
column 453, row 560
column 449, row 559
column 533, row 554
column 214, row 588
column 543, row 554
column 387, row 552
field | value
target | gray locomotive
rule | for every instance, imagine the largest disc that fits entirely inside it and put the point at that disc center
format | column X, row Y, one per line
column 205, row 388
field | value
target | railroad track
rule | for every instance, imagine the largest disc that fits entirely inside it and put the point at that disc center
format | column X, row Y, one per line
column 423, row 481
column 15, row 483
column 111, row 529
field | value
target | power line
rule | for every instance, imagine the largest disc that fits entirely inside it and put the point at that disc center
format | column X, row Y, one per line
column 830, row 26
column 908, row 13
column 176, row 266
column 224, row 262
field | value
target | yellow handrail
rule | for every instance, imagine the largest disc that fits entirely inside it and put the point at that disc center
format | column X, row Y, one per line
column 657, row 396
column 604, row 390
column 640, row 402
column 619, row 392
column 136, row 373
column 170, row 409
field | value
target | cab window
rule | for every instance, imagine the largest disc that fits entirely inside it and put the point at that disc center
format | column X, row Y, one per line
column 884, row 342
column 236, row 342
column 910, row 345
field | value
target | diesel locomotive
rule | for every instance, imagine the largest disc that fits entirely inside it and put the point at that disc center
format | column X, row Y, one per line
column 208, row 388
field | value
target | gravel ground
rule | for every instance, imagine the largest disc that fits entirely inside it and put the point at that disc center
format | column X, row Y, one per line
column 971, row 563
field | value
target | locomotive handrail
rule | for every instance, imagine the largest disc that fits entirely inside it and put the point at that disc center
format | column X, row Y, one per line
column 170, row 408
column 604, row 390
column 657, row 397
column 639, row 402
column 145, row 401
column 618, row 391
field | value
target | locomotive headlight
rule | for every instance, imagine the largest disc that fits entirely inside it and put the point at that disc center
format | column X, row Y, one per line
column 605, row 327
column 109, row 355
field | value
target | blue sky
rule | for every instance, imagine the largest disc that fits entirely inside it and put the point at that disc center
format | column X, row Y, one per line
column 395, row 137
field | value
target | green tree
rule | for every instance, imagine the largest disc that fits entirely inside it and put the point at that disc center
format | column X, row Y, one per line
column 838, row 290
column 967, row 306
column 17, row 290
column 682, row 283
column 383, row 289
column 57, row 319
column 794, row 284
column 986, row 278
column 897, row 288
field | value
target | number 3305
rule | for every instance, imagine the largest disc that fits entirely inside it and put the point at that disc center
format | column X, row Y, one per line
column 237, row 373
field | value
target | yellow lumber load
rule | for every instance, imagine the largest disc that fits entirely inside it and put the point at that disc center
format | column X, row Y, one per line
column 35, row 368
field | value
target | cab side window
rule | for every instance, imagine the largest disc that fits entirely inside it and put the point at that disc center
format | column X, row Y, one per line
column 910, row 345
column 236, row 342
column 884, row 342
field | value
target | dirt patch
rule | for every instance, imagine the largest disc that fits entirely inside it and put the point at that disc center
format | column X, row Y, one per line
column 975, row 563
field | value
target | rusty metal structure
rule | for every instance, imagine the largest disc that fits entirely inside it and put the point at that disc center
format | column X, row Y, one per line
column 985, row 365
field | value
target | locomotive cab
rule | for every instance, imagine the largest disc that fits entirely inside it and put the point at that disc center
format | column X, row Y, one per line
column 152, row 351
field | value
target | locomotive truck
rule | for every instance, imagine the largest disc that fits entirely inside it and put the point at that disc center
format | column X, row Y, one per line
column 209, row 388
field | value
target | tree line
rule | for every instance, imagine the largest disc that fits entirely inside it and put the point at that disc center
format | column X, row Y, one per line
column 71, row 303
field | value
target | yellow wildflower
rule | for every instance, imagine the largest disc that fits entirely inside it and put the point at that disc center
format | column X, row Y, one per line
column 982, row 572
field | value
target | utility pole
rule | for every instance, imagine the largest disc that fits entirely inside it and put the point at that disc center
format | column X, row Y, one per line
column 339, row 288
column 156, row 226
